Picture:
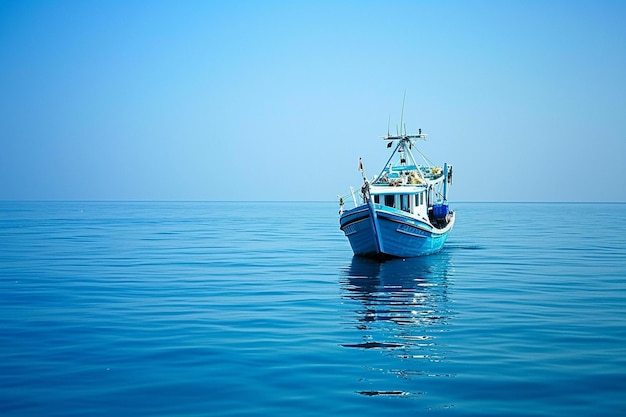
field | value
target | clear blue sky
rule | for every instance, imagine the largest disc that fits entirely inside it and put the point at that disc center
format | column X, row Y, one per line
column 277, row 100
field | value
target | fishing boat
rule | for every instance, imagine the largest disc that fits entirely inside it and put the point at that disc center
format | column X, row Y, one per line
column 403, row 211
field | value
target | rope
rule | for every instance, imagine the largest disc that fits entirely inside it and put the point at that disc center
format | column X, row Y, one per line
column 428, row 161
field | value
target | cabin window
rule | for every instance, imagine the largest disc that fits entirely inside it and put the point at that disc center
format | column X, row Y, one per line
column 419, row 199
column 390, row 200
column 376, row 199
column 404, row 202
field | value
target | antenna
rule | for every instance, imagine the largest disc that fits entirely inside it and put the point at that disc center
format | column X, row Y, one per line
column 388, row 123
column 402, row 114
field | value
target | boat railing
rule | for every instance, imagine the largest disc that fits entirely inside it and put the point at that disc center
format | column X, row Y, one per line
column 354, row 198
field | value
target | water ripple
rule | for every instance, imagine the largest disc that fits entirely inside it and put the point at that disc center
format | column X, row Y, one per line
column 238, row 309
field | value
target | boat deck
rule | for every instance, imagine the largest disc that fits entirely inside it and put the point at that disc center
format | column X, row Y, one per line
column 408, row 174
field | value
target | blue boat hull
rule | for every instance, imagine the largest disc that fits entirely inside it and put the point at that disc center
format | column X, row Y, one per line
column 382, row 232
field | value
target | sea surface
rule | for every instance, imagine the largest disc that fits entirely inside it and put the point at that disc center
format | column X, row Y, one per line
column 248, row 309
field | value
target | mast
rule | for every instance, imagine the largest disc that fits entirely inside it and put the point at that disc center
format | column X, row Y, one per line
column 445, row 182
column 406, row 141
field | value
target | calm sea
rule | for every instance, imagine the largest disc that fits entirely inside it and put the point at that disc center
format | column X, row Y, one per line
column 247, row 309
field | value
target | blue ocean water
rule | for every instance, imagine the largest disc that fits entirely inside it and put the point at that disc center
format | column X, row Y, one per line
column 241, row 309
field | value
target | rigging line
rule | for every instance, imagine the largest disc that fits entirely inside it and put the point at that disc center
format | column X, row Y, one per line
column 440, row 195
column 428, row 161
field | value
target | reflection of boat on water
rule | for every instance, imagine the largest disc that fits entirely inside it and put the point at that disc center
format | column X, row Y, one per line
column 411, row 291
column 400, row 309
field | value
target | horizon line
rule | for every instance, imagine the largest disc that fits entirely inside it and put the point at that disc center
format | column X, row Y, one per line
column 289, row 201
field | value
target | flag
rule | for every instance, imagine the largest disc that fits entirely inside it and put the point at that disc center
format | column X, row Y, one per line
column 360, row 165
column 389, row 144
